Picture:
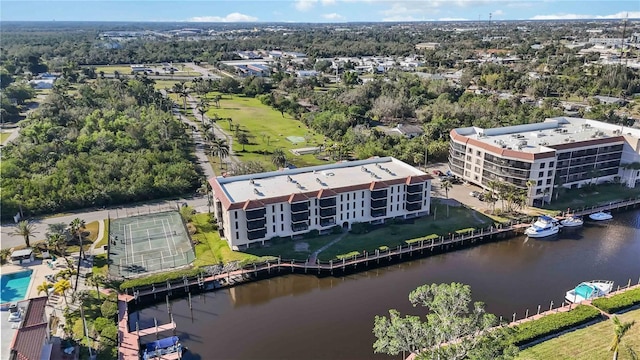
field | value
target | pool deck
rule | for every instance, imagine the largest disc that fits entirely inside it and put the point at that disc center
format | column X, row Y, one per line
column 40, row 270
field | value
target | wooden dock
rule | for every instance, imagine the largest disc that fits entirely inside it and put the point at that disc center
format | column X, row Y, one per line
column 129, row 342
column 363, row 261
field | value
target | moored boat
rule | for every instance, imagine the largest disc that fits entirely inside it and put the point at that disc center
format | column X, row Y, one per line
column 572, row 221
column 600, row 216
column 543, row 227
column 165, row 348
column 589, row 290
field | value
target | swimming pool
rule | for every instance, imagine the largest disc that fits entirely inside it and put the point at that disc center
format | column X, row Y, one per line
column 14, row 286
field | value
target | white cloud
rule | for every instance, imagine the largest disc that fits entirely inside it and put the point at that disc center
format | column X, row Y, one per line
column 328, row 2
column 233, row 17
column 619, row 15
column 333, row 16
column 305, row 5
column 498, row 13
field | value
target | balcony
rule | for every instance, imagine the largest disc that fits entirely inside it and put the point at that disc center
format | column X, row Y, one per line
column 300, row 217
column 379, row 212
column 324, row 213
column 379, row 204
column 454, row 161
column 300, row 207
column 299, row 227
column 415, row 189
column 256, row 224
column 258, row 234
column 328, row 222
column 412, row 198
column 379, row 194
column 255, row 213
column 506, row 172
column 414, row 207
column 515, row 164
column 328, row 202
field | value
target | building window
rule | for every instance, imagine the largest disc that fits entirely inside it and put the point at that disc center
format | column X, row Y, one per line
column 362, row 203
column 539, row 182
column 470, row 151
column 392, row 189
column 475, row 177
column 341, row 207
column 542, row 165
column 316, row 221
column 341, row 197
column 281, row 207
column 468, row 157
column 235, row 214
column 477, row 153
column 548, row 181
column 347, row 216
column 236, row 225
column 541, row 174
column 274, row 227
column 354, row 214
column 237, row 235
column 551, row 164
column 477, row 161
column 468, row 166
column 281, row 217
column 477, row 169
column 397, row 207
column 363, row 194
column 273, row 218
column 550, row 173
column 273, row 208
column 362, row 213
column 398, row 198
column 347, row 206
column 281, row 227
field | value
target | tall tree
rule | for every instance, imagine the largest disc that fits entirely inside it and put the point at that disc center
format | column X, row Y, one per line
column 454, row 329
column 25, row 229
column 61, row 287
column 97, row 281
column 619, row 330
column 243, row 139
column 77, row 227
column 279, row 158
column 219, row 148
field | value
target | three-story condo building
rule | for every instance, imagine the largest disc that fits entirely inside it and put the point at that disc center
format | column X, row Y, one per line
column 254, row 208
column 569, row 151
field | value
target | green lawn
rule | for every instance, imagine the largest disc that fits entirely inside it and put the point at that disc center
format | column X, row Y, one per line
column 590, row 343
column 164, row 84
column 111, row 69
column 390, row 235
column 587, row 197
column 266, row 128
column 4, row 136
column 394, row 235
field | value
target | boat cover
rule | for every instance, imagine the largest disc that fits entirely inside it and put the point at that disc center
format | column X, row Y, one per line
column 162, row 343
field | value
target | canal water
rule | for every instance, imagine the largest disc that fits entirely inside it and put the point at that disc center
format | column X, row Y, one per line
column 305, row 317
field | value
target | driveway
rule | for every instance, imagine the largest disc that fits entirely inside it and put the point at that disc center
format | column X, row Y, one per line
column 206, row 73
column 458, row 192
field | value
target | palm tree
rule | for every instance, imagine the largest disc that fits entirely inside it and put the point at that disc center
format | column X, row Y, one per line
column 446, row 185
column 219, row 148
column 24, row 229
column 619, row 330
column 202, row 108
column 77, row 228
column 96, row 280
column 61, row 287
column 44, row 288
column 58, row 242
column 279, row 158
column 216, row 100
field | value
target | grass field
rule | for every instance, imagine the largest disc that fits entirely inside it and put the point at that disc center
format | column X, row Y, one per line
column 586, row 197
column 164, row 84
column 590, row 343
column 111, row 69
column 390, row 235
column 4, row 136
column 266, row 128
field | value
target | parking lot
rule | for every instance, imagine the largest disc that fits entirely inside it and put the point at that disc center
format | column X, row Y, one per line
column 459, row 192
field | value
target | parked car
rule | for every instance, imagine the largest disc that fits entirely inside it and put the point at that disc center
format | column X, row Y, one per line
column 438, row 172
column 474, row 194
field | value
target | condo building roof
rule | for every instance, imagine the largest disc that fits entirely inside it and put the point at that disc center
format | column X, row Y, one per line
column 533, row 140
column 255, row 190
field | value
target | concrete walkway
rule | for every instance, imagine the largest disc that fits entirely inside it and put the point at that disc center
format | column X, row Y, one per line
column 101, row 229
column 314, row 257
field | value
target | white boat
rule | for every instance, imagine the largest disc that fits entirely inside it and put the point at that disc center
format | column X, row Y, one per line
column 543, row 227
column 572, row 221
column 600, row 216
column 589, row 290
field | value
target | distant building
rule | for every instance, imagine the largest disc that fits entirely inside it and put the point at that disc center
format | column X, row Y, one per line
column 140, row 68
column 427, row 46
column 607, row 100
column 295, row 55
column 252, row 209
column 42, row 84
column 408, row 131
column 306, row 73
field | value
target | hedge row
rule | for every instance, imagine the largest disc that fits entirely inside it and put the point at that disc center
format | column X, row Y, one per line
column 618, row 302
column 417, row 240
column 554, row 323
column 158, row 278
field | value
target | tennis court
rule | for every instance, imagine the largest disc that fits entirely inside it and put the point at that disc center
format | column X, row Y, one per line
column 148, row 243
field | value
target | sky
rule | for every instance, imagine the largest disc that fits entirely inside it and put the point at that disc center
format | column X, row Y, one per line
column 314, row 11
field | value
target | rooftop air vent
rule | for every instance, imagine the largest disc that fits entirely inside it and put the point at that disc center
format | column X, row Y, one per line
column 251, row 181
column 255, row 191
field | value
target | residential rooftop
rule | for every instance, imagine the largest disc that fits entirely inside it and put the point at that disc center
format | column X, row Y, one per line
column 313, row 181
column 545, row 136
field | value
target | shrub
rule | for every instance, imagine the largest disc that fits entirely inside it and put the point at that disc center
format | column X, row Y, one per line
column 618, row 302
column 109, row 309
column 312, row 233
column 554, row 323
column 109, row 335
column 464, row 231
column 348, row 255
column 383, row 248
column 100, row 323
column 336, row 229
column 360, row 228
column 159, row 278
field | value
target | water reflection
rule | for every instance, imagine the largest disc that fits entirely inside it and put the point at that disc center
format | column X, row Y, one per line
column 302, row 316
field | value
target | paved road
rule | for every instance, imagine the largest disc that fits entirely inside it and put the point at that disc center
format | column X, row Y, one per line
column 206, row 73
